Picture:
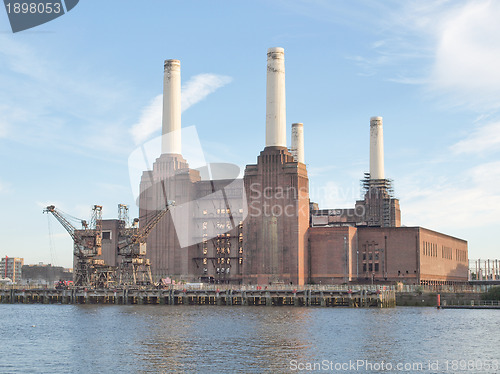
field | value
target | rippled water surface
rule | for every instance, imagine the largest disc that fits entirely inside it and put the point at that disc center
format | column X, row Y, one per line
column 211, row 339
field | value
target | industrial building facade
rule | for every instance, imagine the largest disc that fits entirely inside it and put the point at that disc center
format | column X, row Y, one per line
column 411, row 255
column 263, row 229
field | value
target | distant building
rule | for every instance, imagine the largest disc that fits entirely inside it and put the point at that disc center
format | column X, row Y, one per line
column 45, row 273
column 10, row 267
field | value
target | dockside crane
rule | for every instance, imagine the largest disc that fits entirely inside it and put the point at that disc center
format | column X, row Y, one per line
column 88, row 271
column 135, row 268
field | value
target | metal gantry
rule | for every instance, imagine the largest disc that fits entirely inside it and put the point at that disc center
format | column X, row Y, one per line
column 87, row 244
column 92, row 272
column 379, row 192
column 135, row 268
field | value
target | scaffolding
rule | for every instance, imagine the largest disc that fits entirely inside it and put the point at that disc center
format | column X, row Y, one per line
column 378, row 195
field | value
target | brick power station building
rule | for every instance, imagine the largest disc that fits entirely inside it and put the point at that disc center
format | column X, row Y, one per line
column 263, row 228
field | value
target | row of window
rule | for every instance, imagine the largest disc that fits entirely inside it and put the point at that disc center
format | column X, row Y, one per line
column 371, row 267
column 370, row 256
column 222, row 211
column 205, row 243
column 368, row 246
column 223, row 260
column 461, row 255
column 447, row 252
column 222, row 250
column 430, row 249
column 222, row 244
column 220, row 225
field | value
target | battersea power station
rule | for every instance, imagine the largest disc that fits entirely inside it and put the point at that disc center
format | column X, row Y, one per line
column 263, row 229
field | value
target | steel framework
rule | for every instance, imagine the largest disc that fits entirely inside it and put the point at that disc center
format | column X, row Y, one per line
column 378, row 194
column 88, row 271
column 135, row 268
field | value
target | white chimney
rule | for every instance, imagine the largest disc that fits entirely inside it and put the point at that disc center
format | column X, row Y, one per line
column 297, row 148
column 376, row 148
column 171, row 123
column 275, row 103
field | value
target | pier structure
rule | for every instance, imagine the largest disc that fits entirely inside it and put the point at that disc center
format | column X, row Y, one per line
column 256, row 296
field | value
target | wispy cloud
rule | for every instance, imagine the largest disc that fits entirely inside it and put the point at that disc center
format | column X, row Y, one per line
column 456, row 47
column 469, row 199
column 467, row 55
column 195, row 90
column 369, row 66
column 43, row 102
column 200, row 86
column 483, row 139
column 451, row 48
column 149, row 122
column 403, row 48
column 409, row 80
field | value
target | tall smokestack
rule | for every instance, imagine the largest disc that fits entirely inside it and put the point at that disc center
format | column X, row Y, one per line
column 376, row 148
column 297, row 148
column 275, row 103
column 171, row 122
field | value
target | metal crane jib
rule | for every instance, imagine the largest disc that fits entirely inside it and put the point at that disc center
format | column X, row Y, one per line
column 132, row 241
column 87, row 241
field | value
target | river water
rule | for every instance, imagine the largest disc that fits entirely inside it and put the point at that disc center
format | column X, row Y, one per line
column 211, row 339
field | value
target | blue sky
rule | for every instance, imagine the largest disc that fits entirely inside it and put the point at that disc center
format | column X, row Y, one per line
column 80, row 93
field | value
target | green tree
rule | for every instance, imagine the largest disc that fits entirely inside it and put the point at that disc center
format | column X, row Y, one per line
column 492, row 294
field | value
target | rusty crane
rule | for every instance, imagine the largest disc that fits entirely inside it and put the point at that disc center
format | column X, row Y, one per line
column 88, row 270
column 135, row 268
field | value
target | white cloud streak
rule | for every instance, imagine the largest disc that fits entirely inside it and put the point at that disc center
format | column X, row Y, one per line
column 470, row 199
column 450, row 48
column 483, row 139
column 33, row 90
column 467, row 55
column 200, row 86
column 149, row 122
column 194, row 91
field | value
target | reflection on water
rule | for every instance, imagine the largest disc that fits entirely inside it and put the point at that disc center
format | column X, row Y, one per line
column 203, row 339
column 228, row 339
